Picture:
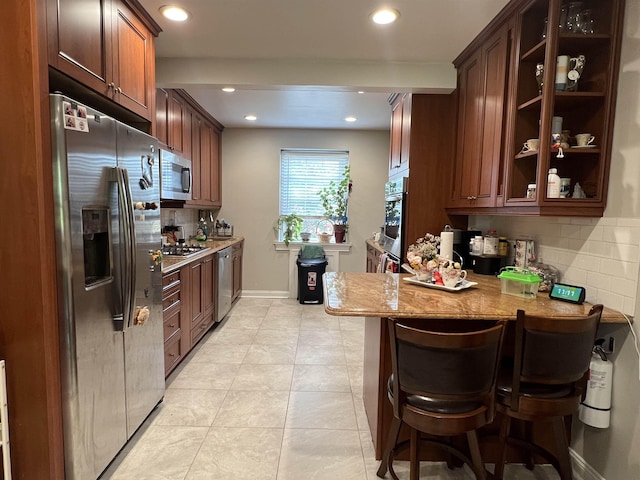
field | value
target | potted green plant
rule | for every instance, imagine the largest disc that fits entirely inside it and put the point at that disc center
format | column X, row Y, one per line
column 335, row 199
column 290, row 226
column 392, row 220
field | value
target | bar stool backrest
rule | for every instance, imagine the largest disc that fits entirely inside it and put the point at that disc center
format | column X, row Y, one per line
column 554, row 350
column 443, row 365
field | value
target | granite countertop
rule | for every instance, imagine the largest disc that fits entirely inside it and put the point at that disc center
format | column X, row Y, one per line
column 388, row 295
column 375, row 245
column 170, row 264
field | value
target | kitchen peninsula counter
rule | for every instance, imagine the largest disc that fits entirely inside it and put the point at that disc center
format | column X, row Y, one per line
column 388, row 295
column 378, row 296
column 170, row 263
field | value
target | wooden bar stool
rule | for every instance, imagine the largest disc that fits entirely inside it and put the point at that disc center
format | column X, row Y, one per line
column 442, row 384
column 544, row 383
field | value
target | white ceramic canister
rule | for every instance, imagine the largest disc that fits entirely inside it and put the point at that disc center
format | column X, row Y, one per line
column 491, row 244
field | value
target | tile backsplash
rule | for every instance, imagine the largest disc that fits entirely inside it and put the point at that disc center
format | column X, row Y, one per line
column 601, row 254
column 185, row 217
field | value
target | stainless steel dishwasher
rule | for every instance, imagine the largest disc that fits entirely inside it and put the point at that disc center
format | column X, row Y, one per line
column 225, row 282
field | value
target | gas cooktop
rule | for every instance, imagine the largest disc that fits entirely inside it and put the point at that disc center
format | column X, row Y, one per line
column 182, row 250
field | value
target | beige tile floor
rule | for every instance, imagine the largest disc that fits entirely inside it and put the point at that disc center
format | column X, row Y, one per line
column 273, row 392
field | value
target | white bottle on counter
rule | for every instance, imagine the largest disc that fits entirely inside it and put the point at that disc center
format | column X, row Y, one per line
column 553, row 184
column 478, row 245
column 490, row 246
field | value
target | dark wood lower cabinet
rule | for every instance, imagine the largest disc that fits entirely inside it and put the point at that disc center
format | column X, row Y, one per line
column 198, row 331
column 189, row 303
column 236, row 262
column 175, row 289
column 373, row 257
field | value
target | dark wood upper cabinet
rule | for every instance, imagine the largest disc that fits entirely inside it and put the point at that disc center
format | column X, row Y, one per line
column 501, row 107
column 399, row 134
column 189, row 131
column 589, row 108
column 207, row 174
column 482, row 90
column 161, row 125
column 108, row 46
column 79, row 45
column 179, row 126
column 426, row 140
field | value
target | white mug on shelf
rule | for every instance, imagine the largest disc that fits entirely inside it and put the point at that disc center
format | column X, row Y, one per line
column 584, row 139
column 531, row 145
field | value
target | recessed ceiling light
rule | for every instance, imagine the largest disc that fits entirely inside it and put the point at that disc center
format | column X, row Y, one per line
column 350, row 118
column 361, row 92
column 229, row 89
column 250, row 117
column 177, row 14
column 383, row 16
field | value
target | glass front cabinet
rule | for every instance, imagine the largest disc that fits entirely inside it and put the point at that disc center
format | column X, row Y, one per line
column 560, row 106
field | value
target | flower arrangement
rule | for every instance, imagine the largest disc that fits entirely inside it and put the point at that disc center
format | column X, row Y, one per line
column 423, row 251
column 423, row 255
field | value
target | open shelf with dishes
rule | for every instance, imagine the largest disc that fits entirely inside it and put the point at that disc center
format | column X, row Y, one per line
column 563, row 91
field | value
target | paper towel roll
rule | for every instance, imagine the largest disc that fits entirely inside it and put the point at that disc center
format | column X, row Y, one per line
column 446, row 245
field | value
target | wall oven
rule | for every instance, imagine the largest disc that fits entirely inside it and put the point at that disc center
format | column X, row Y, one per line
column 393, row 239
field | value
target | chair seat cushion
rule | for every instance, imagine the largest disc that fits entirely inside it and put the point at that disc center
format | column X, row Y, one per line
column 536, row 390
column 435, row 405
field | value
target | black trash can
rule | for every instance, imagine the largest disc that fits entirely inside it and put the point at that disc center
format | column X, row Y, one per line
column 310, row 272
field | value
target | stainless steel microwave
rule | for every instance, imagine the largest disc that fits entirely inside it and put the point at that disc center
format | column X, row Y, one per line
column 176, row 180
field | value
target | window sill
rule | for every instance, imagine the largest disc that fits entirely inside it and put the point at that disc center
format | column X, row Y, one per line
column 329, row 247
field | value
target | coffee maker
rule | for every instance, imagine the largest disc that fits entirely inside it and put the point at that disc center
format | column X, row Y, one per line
column 461, row 239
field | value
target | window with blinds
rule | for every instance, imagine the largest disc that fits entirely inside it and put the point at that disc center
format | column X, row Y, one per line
column 303, row 173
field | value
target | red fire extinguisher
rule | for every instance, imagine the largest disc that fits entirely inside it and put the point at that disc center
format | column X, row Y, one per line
column 595, row 409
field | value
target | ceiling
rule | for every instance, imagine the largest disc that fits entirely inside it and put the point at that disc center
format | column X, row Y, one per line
column 300, row 63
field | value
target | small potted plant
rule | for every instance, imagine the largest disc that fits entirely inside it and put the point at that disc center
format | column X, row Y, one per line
column 392, row 220
column 290, row 226
column 335, row 198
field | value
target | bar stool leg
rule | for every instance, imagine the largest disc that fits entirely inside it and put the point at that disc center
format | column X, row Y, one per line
column 414, row 455
column 528, row 435
column 392, row 439
column 562, row 448
column 502, row 458
column 476, row 458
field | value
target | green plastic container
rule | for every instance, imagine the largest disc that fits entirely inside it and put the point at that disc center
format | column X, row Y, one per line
column 519, row 282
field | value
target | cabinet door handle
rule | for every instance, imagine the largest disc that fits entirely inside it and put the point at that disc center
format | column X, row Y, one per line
column 112, row 85
column 172, row 325
column 172, row 354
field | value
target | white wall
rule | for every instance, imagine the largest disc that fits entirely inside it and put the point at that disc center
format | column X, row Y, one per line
column 603, row 254
column 250, row 190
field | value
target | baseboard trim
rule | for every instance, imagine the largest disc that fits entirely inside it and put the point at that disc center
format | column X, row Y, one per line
column 265, row 293
column 581, row 469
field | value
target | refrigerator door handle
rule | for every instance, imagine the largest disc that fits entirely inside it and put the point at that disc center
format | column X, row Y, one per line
column 123, row 313
column 121, row 299
column 130, row 219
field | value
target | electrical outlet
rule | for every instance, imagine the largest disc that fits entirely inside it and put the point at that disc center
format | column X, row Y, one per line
column 607, row 343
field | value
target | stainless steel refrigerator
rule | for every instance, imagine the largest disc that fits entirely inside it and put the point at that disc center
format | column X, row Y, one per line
column 107, row 220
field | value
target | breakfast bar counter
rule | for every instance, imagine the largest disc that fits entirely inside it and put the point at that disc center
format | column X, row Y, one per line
column 378, row 296
column 390, row 295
